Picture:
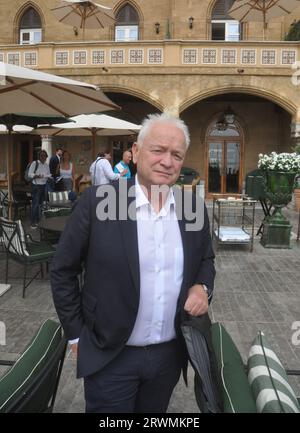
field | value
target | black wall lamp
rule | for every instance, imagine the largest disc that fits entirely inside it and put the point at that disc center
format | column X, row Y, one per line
column 191, row 22
column 157, row 26
column 225, row 119
column 75, row 30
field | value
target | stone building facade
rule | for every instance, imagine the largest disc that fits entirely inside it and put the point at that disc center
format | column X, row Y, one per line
column 236, row 85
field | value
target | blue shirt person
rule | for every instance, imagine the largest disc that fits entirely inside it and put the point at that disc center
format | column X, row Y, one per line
column 124, row 164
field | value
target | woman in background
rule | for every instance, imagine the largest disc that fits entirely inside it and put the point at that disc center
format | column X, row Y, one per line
column 67, row 171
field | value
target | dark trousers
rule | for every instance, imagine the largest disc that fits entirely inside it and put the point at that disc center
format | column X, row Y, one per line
column 139, row 379
column 38, row 195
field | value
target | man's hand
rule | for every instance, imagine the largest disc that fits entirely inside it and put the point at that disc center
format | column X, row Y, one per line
column 197, row 301
column 74, row 348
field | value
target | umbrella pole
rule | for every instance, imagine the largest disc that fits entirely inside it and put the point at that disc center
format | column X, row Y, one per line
column 8, row 171
column 5, row 287
column 94, row 133
column 265, row 22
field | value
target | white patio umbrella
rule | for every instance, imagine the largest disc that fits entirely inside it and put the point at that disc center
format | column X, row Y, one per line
column 261, row 10
column 21, row 129
column 91, row 124
column 28, row 91
column 35, row 93
column 84, row 14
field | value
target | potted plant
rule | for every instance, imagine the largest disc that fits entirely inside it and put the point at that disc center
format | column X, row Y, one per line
column 280, row 170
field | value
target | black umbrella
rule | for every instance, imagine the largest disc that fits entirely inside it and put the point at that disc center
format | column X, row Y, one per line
column 197, row 334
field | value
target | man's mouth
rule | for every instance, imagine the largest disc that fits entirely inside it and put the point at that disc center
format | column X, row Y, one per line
column 163, row 173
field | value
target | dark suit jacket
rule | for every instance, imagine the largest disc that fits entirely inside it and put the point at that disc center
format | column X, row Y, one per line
column 54, row 166
column 103, row 314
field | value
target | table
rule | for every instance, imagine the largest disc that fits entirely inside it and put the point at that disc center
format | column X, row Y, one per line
column 54, row 224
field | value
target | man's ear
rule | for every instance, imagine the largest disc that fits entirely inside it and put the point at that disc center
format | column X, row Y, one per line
column 135, row 151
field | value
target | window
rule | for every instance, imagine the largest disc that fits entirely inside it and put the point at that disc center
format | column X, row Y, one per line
column 30, row 27
column 127, row 27
column 224, row 27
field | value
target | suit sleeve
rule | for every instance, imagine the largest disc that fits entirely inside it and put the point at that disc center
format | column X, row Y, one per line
column 206, row 271
column 67, row 265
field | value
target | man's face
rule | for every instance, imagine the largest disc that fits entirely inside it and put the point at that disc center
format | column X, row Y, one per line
column 59, row 152
column 160, row 157
column 127, row 157
column 43, row 157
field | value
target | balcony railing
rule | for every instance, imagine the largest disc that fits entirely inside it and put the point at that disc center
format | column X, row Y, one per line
column 150, row 53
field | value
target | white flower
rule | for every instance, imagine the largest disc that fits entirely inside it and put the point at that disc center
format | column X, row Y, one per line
column 288, row 162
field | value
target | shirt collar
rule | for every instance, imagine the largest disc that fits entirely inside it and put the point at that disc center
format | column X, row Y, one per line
column 142, row 200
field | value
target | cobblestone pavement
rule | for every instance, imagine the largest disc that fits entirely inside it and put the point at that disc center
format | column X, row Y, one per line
column 259, row 290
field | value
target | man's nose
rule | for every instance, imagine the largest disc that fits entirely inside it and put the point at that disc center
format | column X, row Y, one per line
column 166, row 160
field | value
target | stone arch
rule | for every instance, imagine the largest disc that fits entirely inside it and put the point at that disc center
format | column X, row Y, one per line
column 19, row 14
column 282, row 101
column 133, row 92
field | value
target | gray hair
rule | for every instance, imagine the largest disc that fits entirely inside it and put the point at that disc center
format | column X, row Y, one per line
column 153, row 119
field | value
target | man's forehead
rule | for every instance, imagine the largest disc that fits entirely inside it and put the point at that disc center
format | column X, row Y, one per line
column 165, row 130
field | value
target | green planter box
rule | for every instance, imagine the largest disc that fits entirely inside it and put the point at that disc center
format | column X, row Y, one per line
column 276, row 235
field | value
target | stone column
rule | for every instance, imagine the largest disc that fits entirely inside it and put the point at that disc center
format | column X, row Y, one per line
column 47, row 145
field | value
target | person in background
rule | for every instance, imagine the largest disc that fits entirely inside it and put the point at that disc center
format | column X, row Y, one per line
column 54, row 165
column 39, row 173
column 101, row 171
column 67, row 171
column 124, row 164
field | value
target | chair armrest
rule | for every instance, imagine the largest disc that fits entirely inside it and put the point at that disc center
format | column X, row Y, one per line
column 28, row 236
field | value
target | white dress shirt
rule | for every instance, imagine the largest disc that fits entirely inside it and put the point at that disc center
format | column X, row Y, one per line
column 102, row 173
column 161, row 271
column 42, row 170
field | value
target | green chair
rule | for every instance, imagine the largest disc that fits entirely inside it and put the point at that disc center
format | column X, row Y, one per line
column 24, row 250
column 31, row 382
column 260, row 386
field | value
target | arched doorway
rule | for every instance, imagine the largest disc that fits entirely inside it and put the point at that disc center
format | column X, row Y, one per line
column 224, row 158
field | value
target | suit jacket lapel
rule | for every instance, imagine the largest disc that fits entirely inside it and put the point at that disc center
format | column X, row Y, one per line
column 128, row 230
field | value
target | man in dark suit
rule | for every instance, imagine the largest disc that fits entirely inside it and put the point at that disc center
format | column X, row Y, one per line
column 143, row 272
column 54, row 166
